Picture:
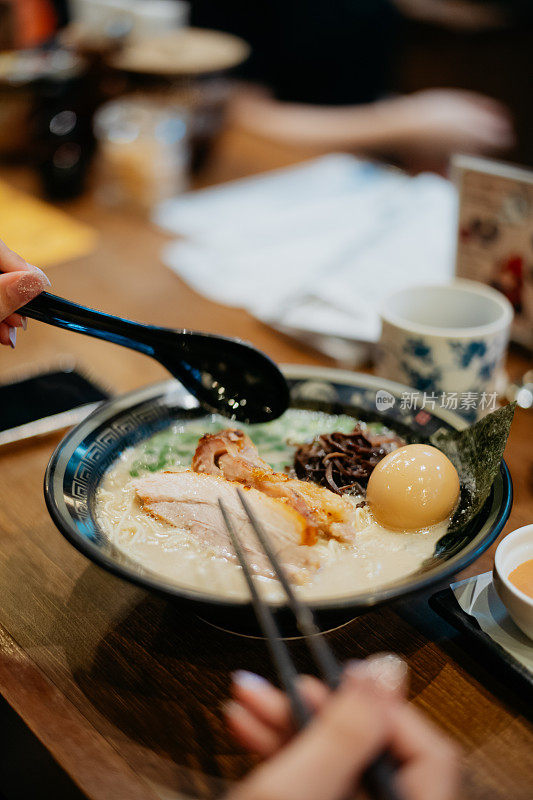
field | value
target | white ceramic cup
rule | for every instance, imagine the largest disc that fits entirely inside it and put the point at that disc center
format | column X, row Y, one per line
column 512, row 551
column 447, row 339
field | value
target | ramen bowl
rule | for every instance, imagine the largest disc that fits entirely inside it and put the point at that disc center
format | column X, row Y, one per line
column 79, row 463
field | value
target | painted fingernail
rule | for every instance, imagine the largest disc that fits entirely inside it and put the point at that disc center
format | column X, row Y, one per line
column 353, row 663
column 41, row 273
column 387, row 670
column 12, row 336
column 230, row 707
column 27, row 286
column 24, row 321
column 351, row 669
column 249, row 680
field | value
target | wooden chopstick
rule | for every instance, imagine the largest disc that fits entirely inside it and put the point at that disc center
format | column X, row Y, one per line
column 278, row 649
column 328, row 665
column 379, row 777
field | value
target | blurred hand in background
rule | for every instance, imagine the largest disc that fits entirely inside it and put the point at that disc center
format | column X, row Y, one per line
column 424, row 127
column 461, row 15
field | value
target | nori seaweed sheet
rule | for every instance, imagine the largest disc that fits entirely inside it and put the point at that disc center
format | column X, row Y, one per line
column 476, row 453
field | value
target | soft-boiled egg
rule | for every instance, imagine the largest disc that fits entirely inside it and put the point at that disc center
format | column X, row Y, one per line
column 413, row 487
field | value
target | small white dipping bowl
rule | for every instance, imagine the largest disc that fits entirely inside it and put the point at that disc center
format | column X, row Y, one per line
column 512, row 551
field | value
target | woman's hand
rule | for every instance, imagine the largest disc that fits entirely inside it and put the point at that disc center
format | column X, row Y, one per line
column 326, row 761
column 19, row 283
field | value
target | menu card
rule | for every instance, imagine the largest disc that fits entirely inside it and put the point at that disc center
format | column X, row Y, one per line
column 495, row 233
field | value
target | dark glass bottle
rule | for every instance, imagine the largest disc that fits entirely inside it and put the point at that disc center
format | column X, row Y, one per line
column 63, row 137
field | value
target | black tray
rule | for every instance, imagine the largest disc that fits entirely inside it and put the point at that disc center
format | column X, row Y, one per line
column 445, row 604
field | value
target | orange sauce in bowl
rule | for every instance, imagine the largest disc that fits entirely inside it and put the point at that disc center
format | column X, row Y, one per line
column 522, row 577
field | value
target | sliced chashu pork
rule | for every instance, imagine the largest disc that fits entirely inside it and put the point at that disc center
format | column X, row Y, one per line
column 232, row 455
column 190, row 500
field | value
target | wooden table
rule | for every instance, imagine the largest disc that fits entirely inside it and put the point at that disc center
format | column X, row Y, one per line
column 122, row 688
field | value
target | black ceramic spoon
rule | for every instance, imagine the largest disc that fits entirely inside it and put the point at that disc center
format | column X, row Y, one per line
column 226, row 375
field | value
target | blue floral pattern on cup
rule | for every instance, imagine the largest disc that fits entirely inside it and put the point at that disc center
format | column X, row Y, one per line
column 466, row 352
column 487, row 370
column 423, row 382
column 443, row 365
column 419, row 349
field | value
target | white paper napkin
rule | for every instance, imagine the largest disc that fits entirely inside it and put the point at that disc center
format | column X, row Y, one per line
column 314, row 247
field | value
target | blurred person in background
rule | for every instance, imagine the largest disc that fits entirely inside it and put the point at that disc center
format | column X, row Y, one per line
column 320, row 74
